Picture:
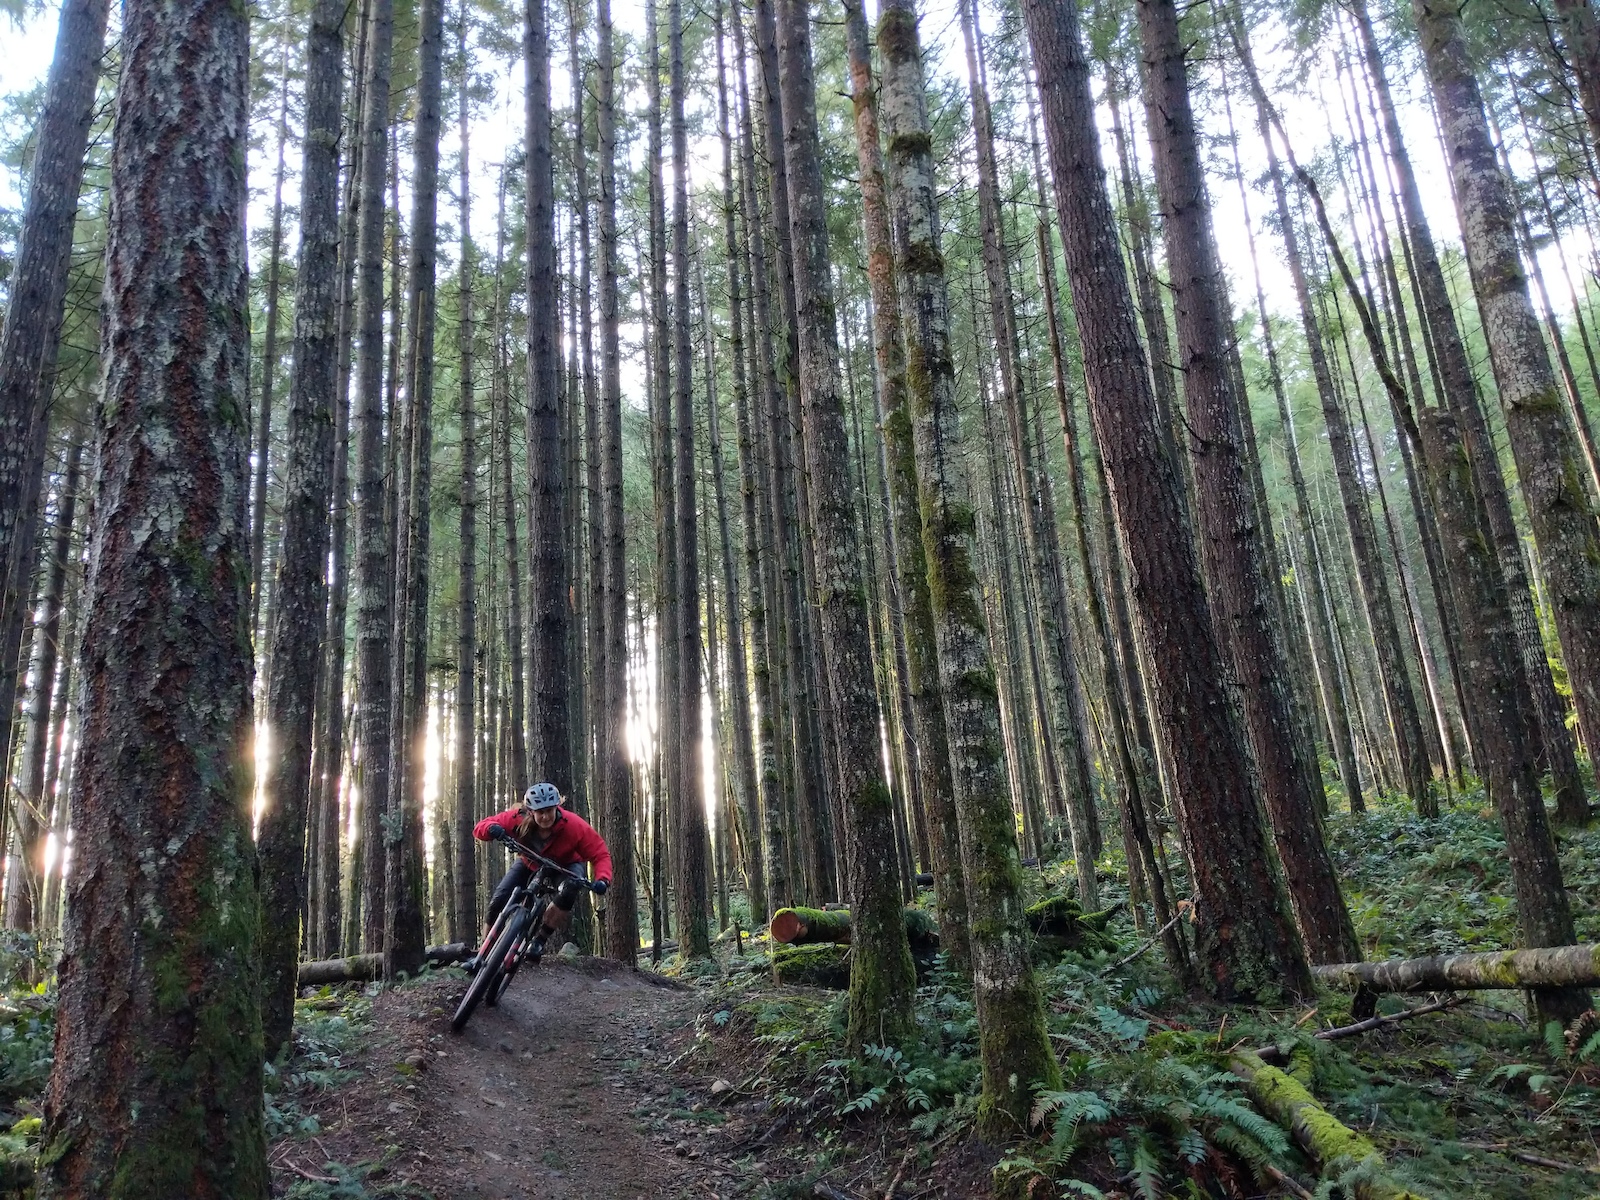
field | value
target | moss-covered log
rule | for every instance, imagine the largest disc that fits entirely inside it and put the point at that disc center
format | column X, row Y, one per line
column 1058, row 925
column 1549, row 966
column 359, row 968
column 809, row 926
column 824, row 965
column 1333, row 1146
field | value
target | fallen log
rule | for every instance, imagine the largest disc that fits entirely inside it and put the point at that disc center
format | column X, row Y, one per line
column 360, row 968
column 1337, row 1149
column 814, row 926
column 1547, row 966
column 821, row 965
column 1059, row 924
column 827, row 964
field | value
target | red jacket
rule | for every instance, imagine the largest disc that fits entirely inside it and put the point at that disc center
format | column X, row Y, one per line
column 573, row 840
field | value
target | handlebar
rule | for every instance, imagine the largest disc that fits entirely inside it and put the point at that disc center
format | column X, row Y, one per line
column 526, row 851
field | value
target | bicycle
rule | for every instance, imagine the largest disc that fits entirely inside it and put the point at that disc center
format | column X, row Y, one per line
column 516, row 935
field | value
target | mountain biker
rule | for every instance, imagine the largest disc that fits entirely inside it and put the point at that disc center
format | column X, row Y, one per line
column 541, row 823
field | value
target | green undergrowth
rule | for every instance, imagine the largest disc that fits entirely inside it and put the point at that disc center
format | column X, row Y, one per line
column 330, row 1027
column 1419, row 887
column 1150, row 1105
column 27, row 1037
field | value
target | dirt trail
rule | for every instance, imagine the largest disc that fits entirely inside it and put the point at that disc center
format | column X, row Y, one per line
column 562, row 1091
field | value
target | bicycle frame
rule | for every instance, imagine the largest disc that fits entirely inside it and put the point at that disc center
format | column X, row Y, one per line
column 505, row 946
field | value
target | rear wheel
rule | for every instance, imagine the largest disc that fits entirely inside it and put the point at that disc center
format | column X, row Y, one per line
column 483, row 983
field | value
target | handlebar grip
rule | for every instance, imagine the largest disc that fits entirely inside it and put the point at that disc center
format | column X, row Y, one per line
column 497, row 833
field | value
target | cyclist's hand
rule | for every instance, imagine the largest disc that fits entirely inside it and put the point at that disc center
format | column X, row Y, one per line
column 598, row 887
column 497, row 833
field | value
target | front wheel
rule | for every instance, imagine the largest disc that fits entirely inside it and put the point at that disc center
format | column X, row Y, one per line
column 534, row 922
column 483, row 983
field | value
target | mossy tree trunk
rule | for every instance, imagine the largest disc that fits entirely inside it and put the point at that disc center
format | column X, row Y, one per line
column 1459, row 391
column 1247, row 942
column 1013, row 1040
column 927, row 706
column 156, row 1088
column 1066, row 730
column 1507, row 730
column 882, row 976
column 1550, row 463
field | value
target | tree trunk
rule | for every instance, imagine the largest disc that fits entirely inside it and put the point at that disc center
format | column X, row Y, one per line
column 331, row 750
column 1506, row 723
column 1231, row 541
column 22, row 908
column 465, row 925
column 762, row 471
column 1581, row 32
column 754, row 858
column 299, row 608
column 791, row 492
column 1549, row 462
column 1246, row 938
column 36, row 293
column 1013, row 1040
column 903, row 78
column 1139, row 849
column 1066, row 731
column 549, row 747
column 1373, row 581
column 1455, row 375
column 269, row 369
column 163, row 887
column 592, row 736
column 1327, row 671
column 405, row 887
column 58, row 761
column 372, row 526
column 688, row 803
column 882, row 978
column 622, row 915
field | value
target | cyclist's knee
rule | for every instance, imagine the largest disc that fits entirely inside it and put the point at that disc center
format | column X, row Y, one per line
column 567, row 895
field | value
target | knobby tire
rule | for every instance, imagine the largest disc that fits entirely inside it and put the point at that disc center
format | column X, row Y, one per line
column 506, row 975
column 488, row 974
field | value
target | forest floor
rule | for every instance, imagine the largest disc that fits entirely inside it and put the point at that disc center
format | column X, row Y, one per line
column 588, row 1082
column 592, row 1080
